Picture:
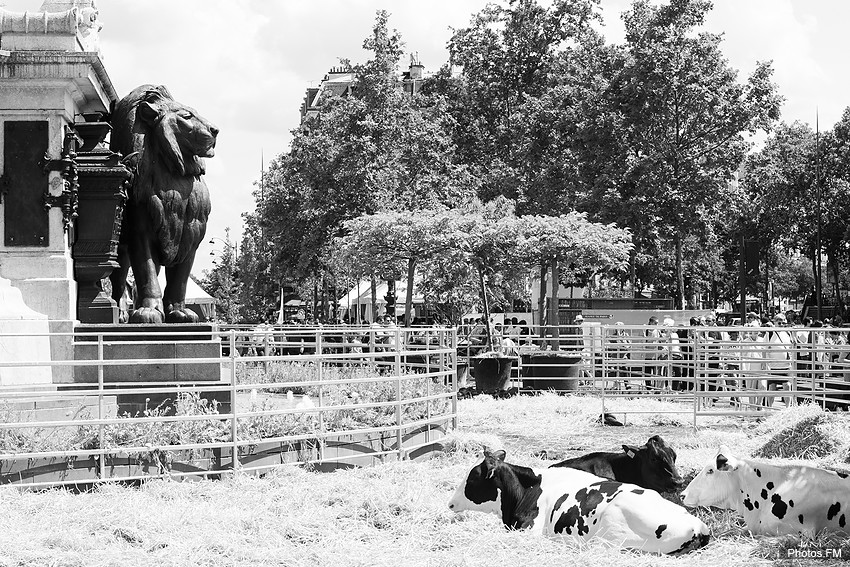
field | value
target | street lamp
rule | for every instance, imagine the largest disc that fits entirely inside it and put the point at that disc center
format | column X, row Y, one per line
column 227, row 244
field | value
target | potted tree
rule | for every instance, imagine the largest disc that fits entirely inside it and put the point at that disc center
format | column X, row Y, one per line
column 566, row 245
column 486, row 238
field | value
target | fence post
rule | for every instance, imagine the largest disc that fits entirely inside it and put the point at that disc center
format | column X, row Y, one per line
column 453, row 377
column 697, row 356
column 428, row 383
column 100, row 433
column 398, row 435
column 604, row 344
column 233, row 421
column 319, row 377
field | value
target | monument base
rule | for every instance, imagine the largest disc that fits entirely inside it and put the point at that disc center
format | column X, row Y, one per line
column 163, row 346
column 23, row 337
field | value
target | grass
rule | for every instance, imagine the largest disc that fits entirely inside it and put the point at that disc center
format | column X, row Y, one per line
column 390, row 515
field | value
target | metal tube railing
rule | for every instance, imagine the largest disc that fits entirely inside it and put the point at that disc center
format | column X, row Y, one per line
column 414, row 360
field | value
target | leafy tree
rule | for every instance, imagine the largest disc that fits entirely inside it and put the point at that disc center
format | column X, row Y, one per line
column 376, row 150
column 686, row 118
column 378, row 243
column 222, row 281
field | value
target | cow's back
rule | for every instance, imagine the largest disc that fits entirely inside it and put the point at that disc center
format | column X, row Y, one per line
column 801, row 499
column 574, row 504
column 598, row 464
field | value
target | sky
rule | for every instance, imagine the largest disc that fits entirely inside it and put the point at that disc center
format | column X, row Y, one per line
column 245, row 64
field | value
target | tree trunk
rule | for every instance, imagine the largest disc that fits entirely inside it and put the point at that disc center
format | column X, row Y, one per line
column 315, row 296
column 374, row 287
column 324, row 298
column 553, row 307
column 633, row 271
column 489, row 332
column 408, row 300
column 680, row 274
column 541, row 301
column 833, row 261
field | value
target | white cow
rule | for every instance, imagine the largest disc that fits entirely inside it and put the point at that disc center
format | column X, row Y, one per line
column 575, row 503
column 773, row 498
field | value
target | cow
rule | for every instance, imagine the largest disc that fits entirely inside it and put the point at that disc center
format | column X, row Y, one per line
column 652, row 465
column 774, row 499
column 571, row 503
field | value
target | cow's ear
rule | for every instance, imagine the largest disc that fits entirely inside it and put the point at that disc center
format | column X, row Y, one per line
column 722, row 463
column 500, row 456
column 630, row 450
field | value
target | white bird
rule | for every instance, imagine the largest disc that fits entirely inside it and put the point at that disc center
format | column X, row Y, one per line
column 290, row 397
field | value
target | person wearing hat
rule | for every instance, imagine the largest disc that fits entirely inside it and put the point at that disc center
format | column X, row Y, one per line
column 752, row 319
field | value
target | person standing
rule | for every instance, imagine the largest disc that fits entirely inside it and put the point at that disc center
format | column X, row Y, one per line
column 651, row 351
column 777, row 358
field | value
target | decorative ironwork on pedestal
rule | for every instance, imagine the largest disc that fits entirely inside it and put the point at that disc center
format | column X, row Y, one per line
column 66, row 165
column 103, row 184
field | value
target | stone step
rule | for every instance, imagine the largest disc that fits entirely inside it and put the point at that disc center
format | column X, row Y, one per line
column 15, row 409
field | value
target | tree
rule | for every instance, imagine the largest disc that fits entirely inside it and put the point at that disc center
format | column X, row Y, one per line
column 222, row 282
column 377, row 149
column 377, row 243
column 686, row 117
column 580, row 247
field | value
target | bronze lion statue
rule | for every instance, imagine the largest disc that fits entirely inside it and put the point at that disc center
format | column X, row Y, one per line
column 165, row 217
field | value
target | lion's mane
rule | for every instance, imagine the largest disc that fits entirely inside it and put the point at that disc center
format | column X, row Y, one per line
column 168, row 171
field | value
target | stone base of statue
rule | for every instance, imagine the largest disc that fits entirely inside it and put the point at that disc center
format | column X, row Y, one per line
column 23, row 337
column 163, row 355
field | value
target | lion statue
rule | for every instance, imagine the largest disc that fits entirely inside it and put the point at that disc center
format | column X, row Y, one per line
column 165, row 217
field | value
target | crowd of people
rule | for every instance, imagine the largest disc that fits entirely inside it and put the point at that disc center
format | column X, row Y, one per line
column 781, row 352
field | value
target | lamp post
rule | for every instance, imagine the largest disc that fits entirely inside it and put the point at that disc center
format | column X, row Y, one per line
column 233, row 248
column 231, row 257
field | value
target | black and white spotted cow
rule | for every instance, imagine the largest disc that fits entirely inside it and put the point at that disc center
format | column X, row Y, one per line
column 652, row 465
column 573, row 503
column 774, row 499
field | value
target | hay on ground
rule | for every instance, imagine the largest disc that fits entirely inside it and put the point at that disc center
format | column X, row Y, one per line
column 805, row 432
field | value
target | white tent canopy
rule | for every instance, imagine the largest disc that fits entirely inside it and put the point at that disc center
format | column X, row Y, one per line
column 196, row 298
column 360, row 297
column 363, row 293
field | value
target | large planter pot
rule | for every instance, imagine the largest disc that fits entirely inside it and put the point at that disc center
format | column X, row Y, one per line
column 491, row 373
column 551, row 371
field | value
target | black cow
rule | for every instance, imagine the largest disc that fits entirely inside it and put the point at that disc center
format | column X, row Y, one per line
column 652, row 465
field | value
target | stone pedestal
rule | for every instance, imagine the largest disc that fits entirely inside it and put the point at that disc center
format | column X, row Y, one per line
column 50, row 73
column 23, row 337
column 165, row 345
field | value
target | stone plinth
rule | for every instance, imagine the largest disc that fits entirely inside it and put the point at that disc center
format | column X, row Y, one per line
column 42, row 91
column 163, row 344
column 23, row 337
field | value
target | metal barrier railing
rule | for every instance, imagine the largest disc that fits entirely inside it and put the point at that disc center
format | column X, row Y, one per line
column 397, row 384
column 709, row 371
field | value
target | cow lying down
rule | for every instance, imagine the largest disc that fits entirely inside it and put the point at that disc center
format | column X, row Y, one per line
column 774, row 499
column 652, row 465
column 577, row 504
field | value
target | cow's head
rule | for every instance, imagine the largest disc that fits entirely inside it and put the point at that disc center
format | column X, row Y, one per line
column 717, row 484
column 479, row 490
column 657, row 461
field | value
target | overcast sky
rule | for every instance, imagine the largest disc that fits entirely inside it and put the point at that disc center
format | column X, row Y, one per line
column 245, row 64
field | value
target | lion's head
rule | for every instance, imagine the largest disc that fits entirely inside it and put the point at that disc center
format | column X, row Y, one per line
column 181, row 136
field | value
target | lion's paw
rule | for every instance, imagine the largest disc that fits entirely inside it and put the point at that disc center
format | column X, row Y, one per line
column 184, row 315
column 146, row 315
